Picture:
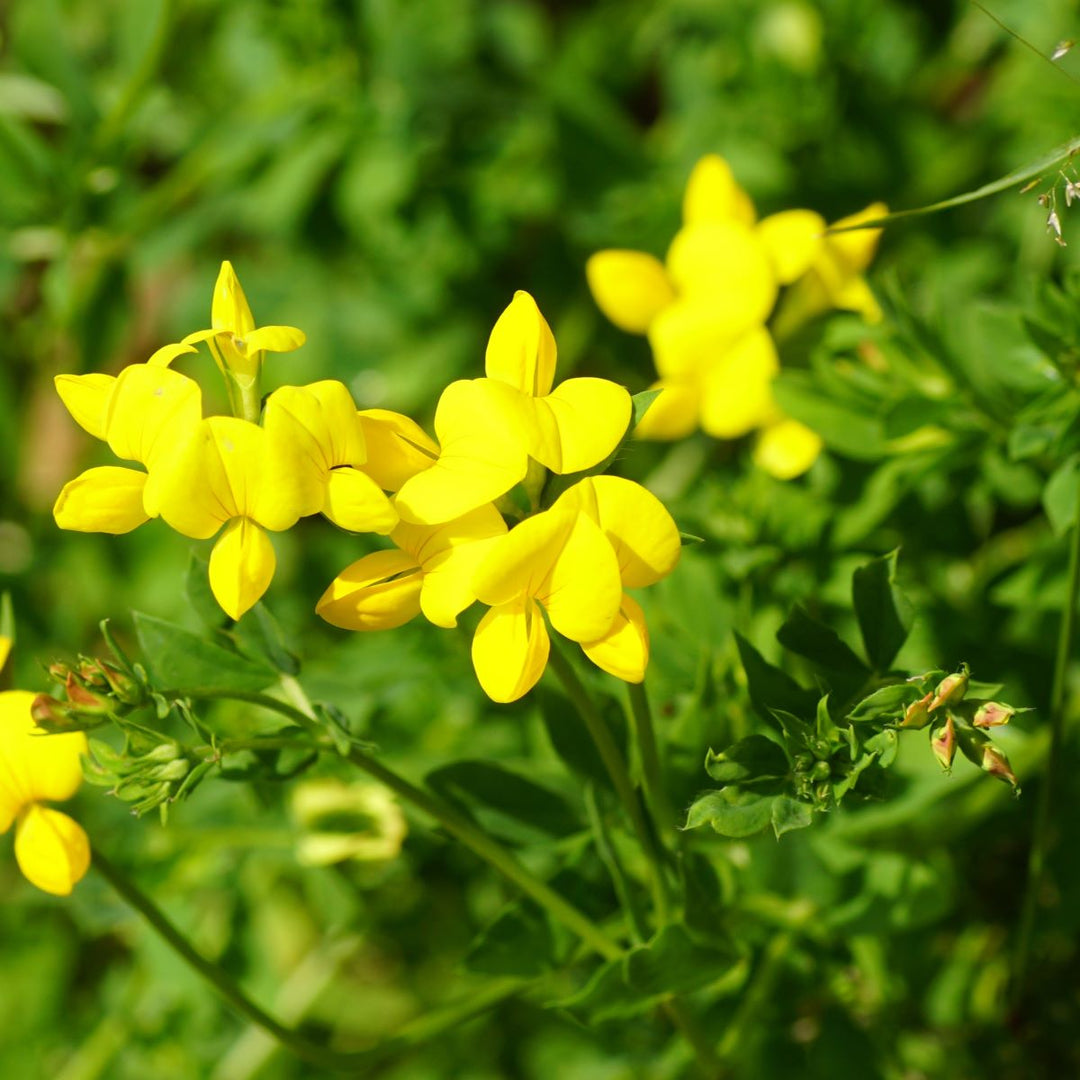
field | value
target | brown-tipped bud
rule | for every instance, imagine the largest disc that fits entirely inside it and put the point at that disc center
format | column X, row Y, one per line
column 59, row 671
column 91, row 675
column 943, row 744
column 997, row 764
column 84, row 701
column 993, row 714
column 951, row 689
column 917, row 714
column 52, row 716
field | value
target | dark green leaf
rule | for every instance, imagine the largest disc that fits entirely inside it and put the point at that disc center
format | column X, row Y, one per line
column 730, row 813
column 570, row 738
column 885, row 704
column 770, row 688
column 1060, row 495
column 181, row 660
column 820, row 644
column 199, row 594
column 518, row 942
column 880, row 609
column 884, row 744
column 753, row 758
column 789, row 814
column 509, row 792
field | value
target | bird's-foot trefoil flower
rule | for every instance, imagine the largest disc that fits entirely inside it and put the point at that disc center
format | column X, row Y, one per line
column 37, row 769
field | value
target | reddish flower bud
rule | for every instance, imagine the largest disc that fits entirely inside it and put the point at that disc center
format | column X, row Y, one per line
column 82, row 700
column 52, row 716
column 943, row 744
column 917, row 714
column 993, row 714
column 951, row 689
column 997, row 764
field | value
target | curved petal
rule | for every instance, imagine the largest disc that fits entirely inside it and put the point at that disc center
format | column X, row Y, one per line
column 149, row 410
column 479, row 425
column 521, row 348
column 630, row 287
column 726, row 264
column 674, row 414
column 52, row 850
column 582, row 591
column 787, row 449
column 355, row 502
column 510, row 650
column 274, row 339
column 321, row 418
column 713, row 195
column 856, row 249
column 579, row 423
column 164, row 356
column 229, row 309
column 241, row 566
column 5, row 650
column 520, row 562
column 637, row 525
column 737, row 391
column 381, row 591
column 624, row 650
column 397, row 447
column 792, row 239
column 107, row 499
column 689, row 336
column 34, row 767
column 855, row 295
column 85, row 397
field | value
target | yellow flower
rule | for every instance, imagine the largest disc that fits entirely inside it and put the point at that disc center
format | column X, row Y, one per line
column 234, row 341
column 559, row 561
column 431, row 572
column 144, row 413
column 704, row 309
column 52, row 850
column 488, row 429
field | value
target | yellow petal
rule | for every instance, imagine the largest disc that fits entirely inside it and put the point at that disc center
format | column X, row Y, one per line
column 321, row 420
column 164, row 356
column 510, row 650
column 381, row 591
column 450, row 555
column 85, row 397
column 713, row 195
column 635, row 522
column 727, row 265
column 5, row 650
column 737, row 390
column 355, row 502
column 792, row 239
column 479, row 426
column 855, row 295
column 630, row 287
column 229, row 309
column 674, row 414
column 579, row 423
column 856, row 249
column 274, row 339
column 149, row 410
column 34, row 767
column 689, row 336
column 107, row 499
column 521, row 349
column 52, row 850
column 397, row 447
column 582, row 591
column 241, row 566
column 787, row 449
column 624, row 650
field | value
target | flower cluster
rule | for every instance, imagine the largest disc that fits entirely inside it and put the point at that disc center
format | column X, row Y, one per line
column 232, row 475
column 705, row 310
column 568, row 564
column 308, row 450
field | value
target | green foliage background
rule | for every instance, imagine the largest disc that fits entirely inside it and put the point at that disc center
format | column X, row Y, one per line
column 384, row 174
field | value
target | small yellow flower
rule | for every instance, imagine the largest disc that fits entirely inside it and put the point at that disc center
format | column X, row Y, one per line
column 35, row 769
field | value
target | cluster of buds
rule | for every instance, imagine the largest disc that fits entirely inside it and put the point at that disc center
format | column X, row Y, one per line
column 957, row 721
column 94, row 691
column 150, row 773
column 1048, row 199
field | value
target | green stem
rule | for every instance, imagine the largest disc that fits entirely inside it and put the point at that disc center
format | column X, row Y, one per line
column 652, row 775
column 615, row 765
column 1040, row 840
column 704, row 1051
column 746, row 1020
column 610, row 858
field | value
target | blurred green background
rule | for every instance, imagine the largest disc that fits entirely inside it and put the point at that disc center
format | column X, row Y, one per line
column 383, row 174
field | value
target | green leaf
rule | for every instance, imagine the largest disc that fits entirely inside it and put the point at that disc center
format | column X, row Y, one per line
column 181, row 660
column 731, row 813
column 690, row 540
column 820, row 644
column 884, row 744
column 753, row 758
column 672, row 963
column 885, row 704
column 199, row 594
column 850, row 431
column 789, row 814
column 570, row 738
column 508, row 792
column 265, row 634
column 770, row 688
column 702, row 897
column 642, row 402
column 1060, row 495
column 880, row 608
column 518, row 942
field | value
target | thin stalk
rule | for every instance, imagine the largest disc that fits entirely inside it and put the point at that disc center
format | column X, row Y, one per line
column 651, row 774
column 610, row 858
column 615, row 765
column 1040, row 840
